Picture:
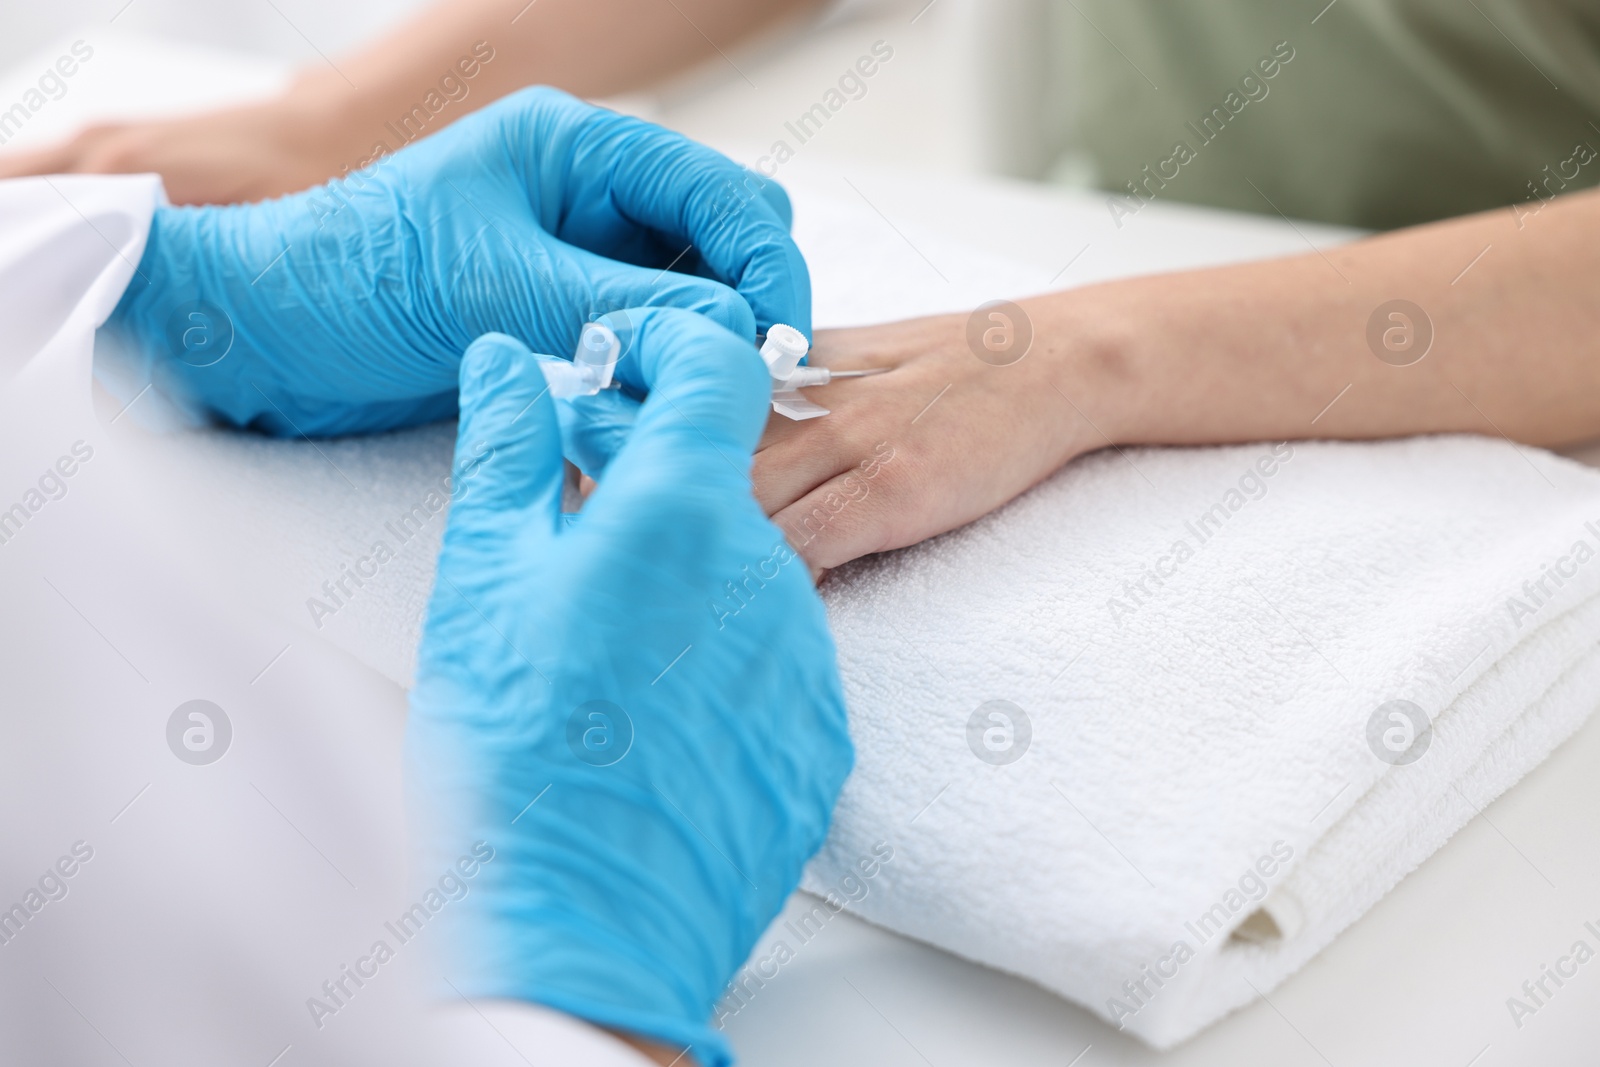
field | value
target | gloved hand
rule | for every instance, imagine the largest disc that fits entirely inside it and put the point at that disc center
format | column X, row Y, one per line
column 346, row 308
column 640, row 714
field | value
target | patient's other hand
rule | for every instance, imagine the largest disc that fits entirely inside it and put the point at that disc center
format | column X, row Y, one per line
column 941, row 440
column 236, row 155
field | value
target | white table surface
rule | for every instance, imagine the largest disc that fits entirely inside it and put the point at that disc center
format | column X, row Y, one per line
column 1422, row 980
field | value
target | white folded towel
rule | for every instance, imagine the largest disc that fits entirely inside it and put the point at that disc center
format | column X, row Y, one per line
column 1198, row 648
column 1197, row 640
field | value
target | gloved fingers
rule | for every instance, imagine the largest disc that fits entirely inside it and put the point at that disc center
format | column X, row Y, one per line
column 690, row 194
column 691, row 262
column 777, row 199
column 707, row 400
column 620, row 285
column 509, row 471
column 593, row 428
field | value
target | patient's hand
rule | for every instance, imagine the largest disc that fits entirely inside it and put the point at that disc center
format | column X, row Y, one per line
column 1272, row 350
column 240, row 154
column 937, row 442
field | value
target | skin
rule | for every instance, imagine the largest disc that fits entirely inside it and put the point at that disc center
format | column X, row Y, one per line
column 1223, row 355
column 333, row 113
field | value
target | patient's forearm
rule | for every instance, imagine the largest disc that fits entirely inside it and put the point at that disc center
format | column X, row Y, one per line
column 588, row 47
column 1263, row 351
column 1281, row 349
column 453, row 58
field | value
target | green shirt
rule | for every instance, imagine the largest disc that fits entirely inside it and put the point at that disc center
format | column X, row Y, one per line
column 1372, row 113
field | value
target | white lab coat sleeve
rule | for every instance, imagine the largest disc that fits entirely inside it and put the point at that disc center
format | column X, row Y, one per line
column 69, row 244
column 69, row 247
column 546, row 1038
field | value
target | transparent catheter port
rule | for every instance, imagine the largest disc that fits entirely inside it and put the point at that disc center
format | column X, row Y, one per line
column 591, row 367
column 782, row 352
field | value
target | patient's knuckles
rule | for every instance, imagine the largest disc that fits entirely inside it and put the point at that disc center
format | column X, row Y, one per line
column 772, row 481
column 122, row 150
column 112, row 157
column 889, row 509
column 837, row 440
column 911, row 490
column 893, row 343
column 780, row 430
column 813, row 457
column 95, row 134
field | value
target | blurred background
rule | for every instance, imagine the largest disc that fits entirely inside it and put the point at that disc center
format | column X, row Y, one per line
column 965, row 93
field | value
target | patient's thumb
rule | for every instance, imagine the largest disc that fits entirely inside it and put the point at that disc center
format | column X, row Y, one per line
column 508, row 468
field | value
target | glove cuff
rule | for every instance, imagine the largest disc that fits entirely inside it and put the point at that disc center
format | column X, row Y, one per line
column 588, row 976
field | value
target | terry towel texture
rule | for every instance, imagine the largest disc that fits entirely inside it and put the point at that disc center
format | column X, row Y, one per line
column 1191, row 652
column 1188, row 645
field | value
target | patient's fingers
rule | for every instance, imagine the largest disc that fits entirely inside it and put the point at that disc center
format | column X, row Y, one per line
column 861, row 511
column 797, row 457
column 64, row 157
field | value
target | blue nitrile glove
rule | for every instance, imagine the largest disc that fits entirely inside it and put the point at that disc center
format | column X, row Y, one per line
column 639, row 714
column 346, row 308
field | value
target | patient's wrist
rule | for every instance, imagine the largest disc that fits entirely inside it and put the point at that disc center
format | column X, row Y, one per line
column 328, row 127
column 346, row 128
column 319, row 96
column 1076, row 375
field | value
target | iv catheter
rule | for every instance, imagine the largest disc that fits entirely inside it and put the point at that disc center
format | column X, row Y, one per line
column 591, row 367
column 782, row 352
